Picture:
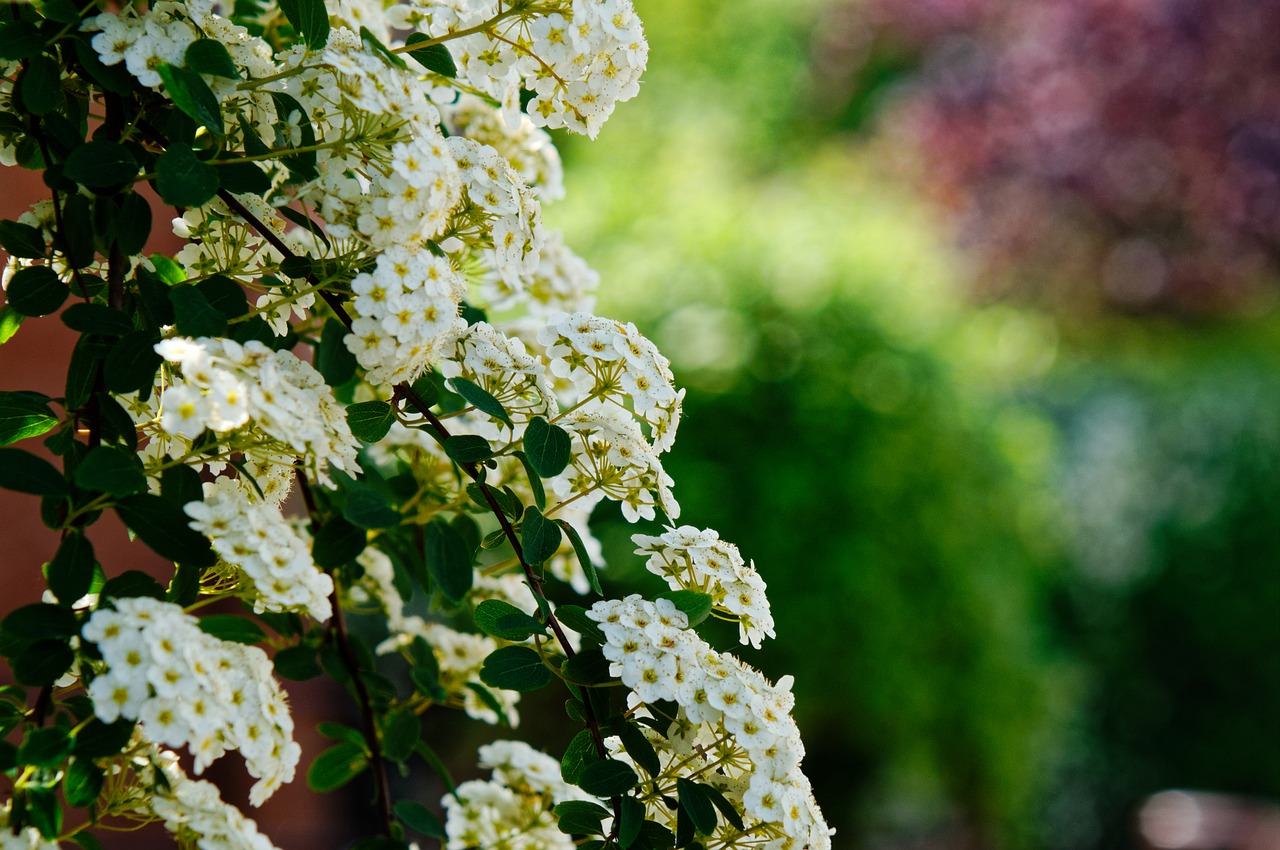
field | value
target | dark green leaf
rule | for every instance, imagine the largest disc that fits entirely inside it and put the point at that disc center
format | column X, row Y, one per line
column 20, row 40
column 194, row 315
column 181, row 485
column 696, row 606
column 539, row 536
column 71, row 570
column 337, row 542
column 400, row 731
column 433, row 57
column 82, row 373
column 86, row 840
column 547, row 446
column 62, row 11
column 310, row 18
column 132, row 583
column 82, row 783
column 418, row 818
column 367, row 506
column 588, row 667
column 243, row 178
column 515, row 668
column 654, row 836
column 697, row 805
column 342, row 732
column 23, row 415
column 535, row 482
column 426, row 389
column 333, row 359
column 99, row 740
column 576, row 710
column 584, row 557
column 26, row 473
column 190, row 93
column 467, row 448
column 162, row 525
column 184, row 587
column 231, row 627
column 183, row 180
column 336, row 766
column 504, row 620
column 77, row 235
column 481, row 400
column 575, row 617
column 297, row 663
column 467, row 530
column 36, row 291
column 726, row 808
column 580, row 752
column 631, row 821
column 607, row 778
column 100, row 165
column 111, row 469
column 42, row 663
column 44, row 812
column 370, row 420
column 208, row 56
column 224, row 295
column 578, row 817
column 40, row 86
column 22, row 240
column 134, row 225
column 447, row 560
column 39, row 621
column 371, row 41
column 132, row 362
column 96, row 319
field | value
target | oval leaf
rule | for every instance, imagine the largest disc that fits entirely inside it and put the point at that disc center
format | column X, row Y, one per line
column 370, row 420
column 36, row 291
column 547, row 446
column 515, row 668
column 608, row 778
column 24, row 415
column 539, row 536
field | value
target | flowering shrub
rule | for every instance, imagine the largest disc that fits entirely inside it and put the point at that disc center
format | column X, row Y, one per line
column 366, row 316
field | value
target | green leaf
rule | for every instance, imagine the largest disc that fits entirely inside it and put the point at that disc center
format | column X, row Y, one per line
column 97, row 319
column 370, row 421
column 584, row 557
column 342, row 732
column 184, row 587
column 535, row 482
column 22, row 240
column 131, row 584
column 576, row 710
column 224, row 295
column 44, row 811
column 82, row 783
column 310, row 18
column 515, row 668
column 367, row 506
column 24, row 415
column 467, row 448
column 726, row 808
column 131, row 364
column 36, row 291
column 20, row 40
column 418, row 818
column 101, row 165
column 209, row 56
column 504, row 620
column 426, row 390
column 42, row 663
column 233, row 628
column 38, row 622
column 548, row 447
column 696, row 606
column 481, row 400
column 608, row 778
column 539, row 536
column 371, row 41
column 447, row 560
column 580, row 752
column 25, row 473
column 631, row 821
column 297, row 663
column 243, row 178
column 134, row 225
column 162, row 525
column 587, row 667
column 183, row 180
column 193, row 313
column 190, row 93
column 10, row 321
column 337, row 542
column 697, row 805
column 86, row 840
column 111, row 469
column 40, row 86
column 578, row 817
column 77, row 233
column 333, row 359
column 400, row 731
column 575, row 617
column 71, row 570
column 181, row 485
column 336, row 766
column 433, row 57
column 82, row 373
column 97, row 740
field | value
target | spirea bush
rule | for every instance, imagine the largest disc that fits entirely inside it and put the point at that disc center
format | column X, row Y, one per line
column 368, row 383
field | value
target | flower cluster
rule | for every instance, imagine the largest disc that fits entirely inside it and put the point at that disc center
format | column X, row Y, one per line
column 612, row 457
column 652, row 651
column 224, row 386
column 187, row 688
column 693, row 559
column 255, row 537
column 513, row 810
column 194, row 811
column 500, row 365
